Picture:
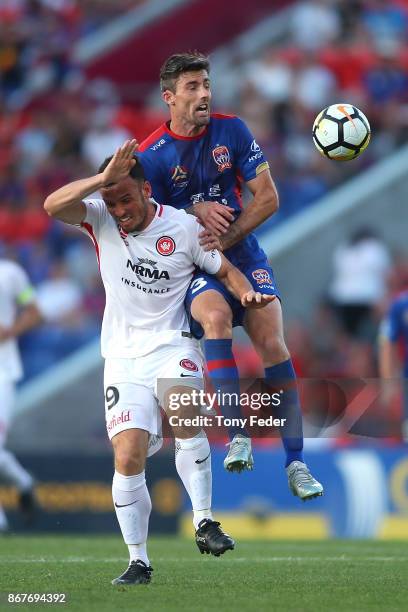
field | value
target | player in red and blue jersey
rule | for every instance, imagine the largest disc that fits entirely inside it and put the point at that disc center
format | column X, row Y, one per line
column 198, row 161
column 393, row 351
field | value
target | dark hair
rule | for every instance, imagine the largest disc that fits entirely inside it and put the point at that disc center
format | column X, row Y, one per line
column 364, row 233
column 137, row 172
column 178, row 63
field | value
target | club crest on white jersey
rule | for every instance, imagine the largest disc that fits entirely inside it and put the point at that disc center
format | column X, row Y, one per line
column 146, row 275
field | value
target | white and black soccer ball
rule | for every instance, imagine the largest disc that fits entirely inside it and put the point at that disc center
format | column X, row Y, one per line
column 341, row 132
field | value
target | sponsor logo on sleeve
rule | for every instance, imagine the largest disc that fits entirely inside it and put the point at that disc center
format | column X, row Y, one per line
column 221, row 156
column 165, row 246
column 255, row 148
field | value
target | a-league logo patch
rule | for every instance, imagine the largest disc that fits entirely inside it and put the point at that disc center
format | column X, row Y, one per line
column 165, row 245
column 189, row 365
column 221, row 156
column 262, row 276
column 179, row 174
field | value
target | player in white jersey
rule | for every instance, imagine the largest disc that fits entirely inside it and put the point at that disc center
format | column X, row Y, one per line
column 18, row 314
column 147, row 254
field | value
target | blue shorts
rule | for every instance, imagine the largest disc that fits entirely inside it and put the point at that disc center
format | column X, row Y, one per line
column 259, row 274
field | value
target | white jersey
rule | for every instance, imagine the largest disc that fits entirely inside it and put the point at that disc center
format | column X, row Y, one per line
column 15, row 290
column 146, row 276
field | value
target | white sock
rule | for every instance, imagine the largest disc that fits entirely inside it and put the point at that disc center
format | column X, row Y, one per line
column 138, row 551
column 196, row 477
column 133, row 518
column 12, row 471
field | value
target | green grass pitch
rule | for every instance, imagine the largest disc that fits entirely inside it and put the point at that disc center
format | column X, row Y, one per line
column 256, row 576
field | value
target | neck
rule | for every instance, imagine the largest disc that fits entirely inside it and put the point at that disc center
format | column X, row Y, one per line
column 182, row 128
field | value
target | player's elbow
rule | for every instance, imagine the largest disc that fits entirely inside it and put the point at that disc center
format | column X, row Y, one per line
column 51, row 206
column 274, row 206
column 273, row 200
column 270, row 203
column 48, row 207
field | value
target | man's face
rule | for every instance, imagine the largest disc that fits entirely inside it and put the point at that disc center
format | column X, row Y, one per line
column 127, row 202
column 191, row 100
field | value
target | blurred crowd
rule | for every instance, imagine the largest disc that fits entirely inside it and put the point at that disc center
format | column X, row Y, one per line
column 55, row 126
column 37, row 38
column 353, row 51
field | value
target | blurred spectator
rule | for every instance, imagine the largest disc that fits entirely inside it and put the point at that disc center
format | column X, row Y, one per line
column 59, row 297
column 103, row 137
column 360, row 270
column 271, row 76
column 19, row 313
column 314, row 23
column 314, row 84
column 67, row 325
column 34, row 142
column 385, row 21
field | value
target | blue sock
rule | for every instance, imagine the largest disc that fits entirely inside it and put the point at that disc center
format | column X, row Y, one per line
column 223, row 373
column 283, row 376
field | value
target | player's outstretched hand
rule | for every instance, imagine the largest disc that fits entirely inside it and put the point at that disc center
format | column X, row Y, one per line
column 121, row 163
column 209, row 241
column 254, row 299
column 214, row 216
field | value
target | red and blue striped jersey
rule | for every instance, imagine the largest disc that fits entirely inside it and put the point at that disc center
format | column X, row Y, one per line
column 209, row 167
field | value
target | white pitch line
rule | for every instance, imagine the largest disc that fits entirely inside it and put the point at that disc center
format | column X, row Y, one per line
column 230, row 558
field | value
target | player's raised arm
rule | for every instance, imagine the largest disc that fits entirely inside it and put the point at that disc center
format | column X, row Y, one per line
column 240, row 287
column 264, row 204
column 66, row 203
column 215, row 217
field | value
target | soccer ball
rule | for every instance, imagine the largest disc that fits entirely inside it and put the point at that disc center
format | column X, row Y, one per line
column 341, row 132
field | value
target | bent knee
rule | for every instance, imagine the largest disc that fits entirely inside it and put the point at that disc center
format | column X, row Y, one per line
column 273, row 349
column 129, row 459
column 217, row 323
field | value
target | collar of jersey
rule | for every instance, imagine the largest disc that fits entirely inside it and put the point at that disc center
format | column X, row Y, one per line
column 158, row 213
column 178, row 137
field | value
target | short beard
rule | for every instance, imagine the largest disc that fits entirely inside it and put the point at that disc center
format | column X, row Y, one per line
column 138, row 227
column 202, row 122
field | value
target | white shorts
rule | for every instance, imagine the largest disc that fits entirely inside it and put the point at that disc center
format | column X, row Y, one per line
column 134, row 388
column 7, row 399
